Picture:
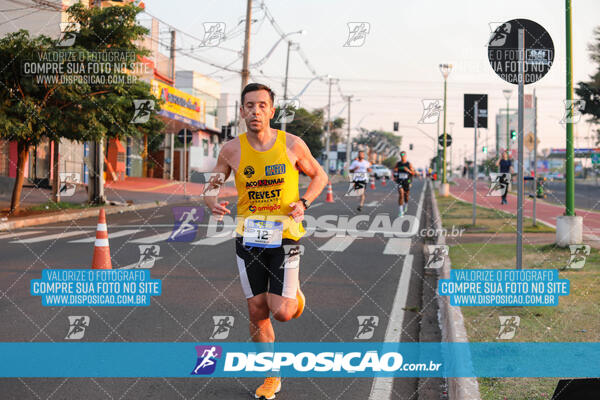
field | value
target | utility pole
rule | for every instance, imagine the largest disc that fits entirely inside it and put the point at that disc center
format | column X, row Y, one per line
column 438, row 164
column 534, row 154
column 328, row 126
column 245, row 71
column 476, row 125
column 96, row 156
column 246, row 56
column 520, row 149
column 285, row 85
column 348, row 144
column 570, row 175
column 172, row 55
column 55, row 172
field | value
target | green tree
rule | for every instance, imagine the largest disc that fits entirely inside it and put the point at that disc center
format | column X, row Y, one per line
column 307, row 125
column 33, row 110
column 590, row 90
column 390, row 162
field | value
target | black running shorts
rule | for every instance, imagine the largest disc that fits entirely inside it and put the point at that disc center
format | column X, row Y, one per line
column 404, row 184
column 273, row 270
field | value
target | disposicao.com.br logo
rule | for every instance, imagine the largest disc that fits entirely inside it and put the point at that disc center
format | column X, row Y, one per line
column 307, row 363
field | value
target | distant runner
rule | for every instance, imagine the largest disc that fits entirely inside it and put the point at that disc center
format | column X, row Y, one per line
column 504, row 166
column 266, row 163
column 360, row 169
column 403, row 173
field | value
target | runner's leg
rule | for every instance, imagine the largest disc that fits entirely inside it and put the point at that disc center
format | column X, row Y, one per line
column 282, row 308
column 261, row 329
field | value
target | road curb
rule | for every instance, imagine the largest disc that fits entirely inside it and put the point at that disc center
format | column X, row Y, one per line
column 451, row 321
column 61, row 216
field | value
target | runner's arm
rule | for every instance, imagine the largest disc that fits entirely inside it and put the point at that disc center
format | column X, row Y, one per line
column 222, row 166
column 351, row 168
column 307, row 164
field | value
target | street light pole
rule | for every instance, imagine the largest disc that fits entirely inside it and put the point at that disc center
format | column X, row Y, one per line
column 445, row 70
column 451, row 163
column 507, row 93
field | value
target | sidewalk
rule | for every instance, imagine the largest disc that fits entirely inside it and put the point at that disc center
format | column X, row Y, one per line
column 545, row 212
column 130, row 194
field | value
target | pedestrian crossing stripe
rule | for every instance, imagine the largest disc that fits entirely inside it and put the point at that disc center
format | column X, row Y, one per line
column 336, row 244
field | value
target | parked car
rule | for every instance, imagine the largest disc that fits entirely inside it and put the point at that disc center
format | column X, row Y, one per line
column 556, row 176
column 381, row 170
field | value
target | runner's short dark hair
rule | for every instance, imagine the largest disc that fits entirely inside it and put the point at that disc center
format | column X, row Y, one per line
column 252, row 87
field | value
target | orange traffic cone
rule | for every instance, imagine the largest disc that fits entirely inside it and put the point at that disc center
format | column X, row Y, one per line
column 382, row 180
column 372, row 182
column 329, row 198
column 101, row 258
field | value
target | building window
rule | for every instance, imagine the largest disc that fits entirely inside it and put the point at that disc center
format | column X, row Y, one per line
column 215, row 150
column 205, row 146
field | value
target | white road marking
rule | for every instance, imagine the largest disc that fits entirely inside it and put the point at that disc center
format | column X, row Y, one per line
column 134, row 265
column 316, row 205
column 55, row 236
column 161, row 237
column 337, row 243
column 17, row 234
column 382, row 387
column 372, row 204
column 111, row 235
column 397, row 246
column 219, row 238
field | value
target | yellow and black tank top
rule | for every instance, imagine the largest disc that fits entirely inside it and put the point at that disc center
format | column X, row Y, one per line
column 267, row 182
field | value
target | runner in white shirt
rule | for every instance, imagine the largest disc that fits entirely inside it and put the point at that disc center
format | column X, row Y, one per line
column 360, row 169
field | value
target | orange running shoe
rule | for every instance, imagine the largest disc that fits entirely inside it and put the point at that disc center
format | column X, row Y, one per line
column 268, row 389
column 301, row 303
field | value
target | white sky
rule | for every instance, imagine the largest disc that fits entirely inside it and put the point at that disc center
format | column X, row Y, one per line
column 397, row 66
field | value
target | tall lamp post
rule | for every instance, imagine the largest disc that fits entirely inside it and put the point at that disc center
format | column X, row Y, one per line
column 507, row 93
column 451, row 147
column 445, row 69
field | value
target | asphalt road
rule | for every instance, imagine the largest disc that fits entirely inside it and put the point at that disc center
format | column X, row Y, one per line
column 587, row 196
column 342, row 277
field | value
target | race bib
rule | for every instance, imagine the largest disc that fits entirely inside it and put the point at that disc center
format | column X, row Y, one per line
column 402, row 175
column 259, row 233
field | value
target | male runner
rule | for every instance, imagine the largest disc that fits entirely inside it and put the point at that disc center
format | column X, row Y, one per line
column 504, row 166
column 265, row 163
column 360, row 168
column 403, row 172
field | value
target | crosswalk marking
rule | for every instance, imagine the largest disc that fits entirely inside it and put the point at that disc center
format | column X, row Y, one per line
column 54, row 236
column 337, row 243
column 17, row 234
column 219, row 238
column 111, row 235
column 397, row 246
column 161, row 237
column 134, row 265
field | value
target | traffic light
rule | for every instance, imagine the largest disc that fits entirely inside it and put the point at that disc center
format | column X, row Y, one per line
column 513, row 134
column 396, row 126
column 410, row 146
column 484, row 149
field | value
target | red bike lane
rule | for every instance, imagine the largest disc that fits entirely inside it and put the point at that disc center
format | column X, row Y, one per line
column 545, row 212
